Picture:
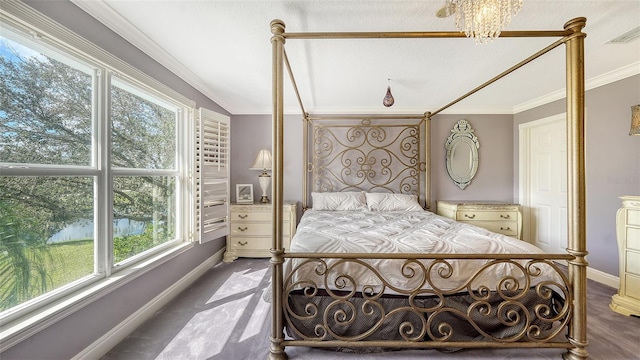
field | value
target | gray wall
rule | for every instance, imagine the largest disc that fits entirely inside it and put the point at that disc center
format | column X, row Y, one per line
column 494, row 179
column 249, row 134
column 612, row 161
column 71, row 335
column 612, row 158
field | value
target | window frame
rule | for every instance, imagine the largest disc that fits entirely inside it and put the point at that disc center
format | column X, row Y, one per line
column 33, row 315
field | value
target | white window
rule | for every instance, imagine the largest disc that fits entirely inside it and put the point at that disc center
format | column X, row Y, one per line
column 144, row 164
column 47, row 167
column 98, row 167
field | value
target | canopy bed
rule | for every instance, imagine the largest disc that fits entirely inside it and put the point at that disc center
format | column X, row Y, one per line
column 369, row 267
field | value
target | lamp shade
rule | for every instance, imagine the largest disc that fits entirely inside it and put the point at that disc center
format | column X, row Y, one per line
column 635, row 120
column 263, row 161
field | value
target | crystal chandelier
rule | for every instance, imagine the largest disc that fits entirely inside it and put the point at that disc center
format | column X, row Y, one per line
column 483, row 19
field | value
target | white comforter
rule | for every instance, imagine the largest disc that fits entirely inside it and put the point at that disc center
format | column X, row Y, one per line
column 419, row 232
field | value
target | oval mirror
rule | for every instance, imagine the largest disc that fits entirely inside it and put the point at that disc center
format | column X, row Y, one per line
column 462, row 154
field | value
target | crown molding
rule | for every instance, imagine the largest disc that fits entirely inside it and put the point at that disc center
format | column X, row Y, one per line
column 114, row 21
column 105, row 14
column 604, row 79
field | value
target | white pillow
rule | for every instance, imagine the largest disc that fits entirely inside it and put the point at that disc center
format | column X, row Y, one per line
column 392, row 202
column 339, row 201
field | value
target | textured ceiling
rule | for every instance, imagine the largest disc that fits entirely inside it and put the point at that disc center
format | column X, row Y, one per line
column 222, row 48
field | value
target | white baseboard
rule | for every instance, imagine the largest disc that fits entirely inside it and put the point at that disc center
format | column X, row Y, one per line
column 603, row 278
column 106, row 342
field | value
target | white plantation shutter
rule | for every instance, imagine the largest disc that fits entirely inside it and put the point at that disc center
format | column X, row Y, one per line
column 212, row 175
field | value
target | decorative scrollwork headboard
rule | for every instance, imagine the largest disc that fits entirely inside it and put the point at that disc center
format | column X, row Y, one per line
column 373, row 154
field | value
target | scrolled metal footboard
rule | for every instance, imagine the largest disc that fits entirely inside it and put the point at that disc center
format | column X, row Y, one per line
column 325, row 305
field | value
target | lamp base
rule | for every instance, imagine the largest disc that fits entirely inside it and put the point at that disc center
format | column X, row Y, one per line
column 264, row 179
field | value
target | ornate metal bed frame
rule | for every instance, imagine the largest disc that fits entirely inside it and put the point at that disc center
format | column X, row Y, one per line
column 367, row 153
column 572, row 314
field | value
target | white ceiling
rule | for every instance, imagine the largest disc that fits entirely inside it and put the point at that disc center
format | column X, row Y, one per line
column 223, row 49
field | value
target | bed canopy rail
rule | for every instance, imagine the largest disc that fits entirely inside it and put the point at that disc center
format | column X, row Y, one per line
column 573, row 37
column 503, row 74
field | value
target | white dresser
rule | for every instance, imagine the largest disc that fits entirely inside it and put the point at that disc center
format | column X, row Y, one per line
column 627, row 300
column 251, row 229
column 499, row 217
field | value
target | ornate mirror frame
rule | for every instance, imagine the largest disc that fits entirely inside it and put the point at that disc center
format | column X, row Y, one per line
column 462, row 139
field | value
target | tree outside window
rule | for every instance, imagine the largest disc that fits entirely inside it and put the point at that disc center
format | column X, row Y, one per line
column 48, row 202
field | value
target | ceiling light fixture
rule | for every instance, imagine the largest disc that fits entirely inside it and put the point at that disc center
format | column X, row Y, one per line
column 388, row 98
column 483, row 19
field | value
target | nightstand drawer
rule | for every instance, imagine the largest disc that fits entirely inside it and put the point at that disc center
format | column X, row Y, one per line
column 249, row 243
column 486, row 215
column 257, row 216
column 256, row 229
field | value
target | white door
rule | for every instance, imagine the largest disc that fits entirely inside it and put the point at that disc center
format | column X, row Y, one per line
column 543, row 182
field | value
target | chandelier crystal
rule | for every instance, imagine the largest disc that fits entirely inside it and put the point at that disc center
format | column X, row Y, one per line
column 483, row 19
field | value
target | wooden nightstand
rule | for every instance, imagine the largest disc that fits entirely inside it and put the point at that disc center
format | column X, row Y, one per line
column 502, row 218
column 250, row 230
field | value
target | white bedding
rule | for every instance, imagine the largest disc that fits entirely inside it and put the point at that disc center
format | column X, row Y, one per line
column 419, row 232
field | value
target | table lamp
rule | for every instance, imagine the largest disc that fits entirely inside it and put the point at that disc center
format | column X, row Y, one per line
column 263, row 163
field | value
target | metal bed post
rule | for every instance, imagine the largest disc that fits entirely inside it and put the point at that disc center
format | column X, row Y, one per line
column 427, row 160
column 276, row 350
column 576, row 200
column 306, row 166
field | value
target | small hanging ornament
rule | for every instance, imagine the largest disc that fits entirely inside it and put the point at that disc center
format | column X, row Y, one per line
column 388, row 98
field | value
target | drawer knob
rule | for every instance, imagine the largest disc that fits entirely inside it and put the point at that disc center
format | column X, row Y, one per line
column 505, row 216
column 470, row 216
column 505, row 228
column 242, row 228
column 242, row 243
column 243, row 216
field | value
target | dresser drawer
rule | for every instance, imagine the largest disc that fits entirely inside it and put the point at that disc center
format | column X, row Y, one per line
column 632, row 261
column 256, row 229
column 633, row 286
column 633, row 238
column 509, row 228
column 465, row 215
column 633, row 217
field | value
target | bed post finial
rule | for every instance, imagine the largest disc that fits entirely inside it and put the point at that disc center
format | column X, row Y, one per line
column 277, row 27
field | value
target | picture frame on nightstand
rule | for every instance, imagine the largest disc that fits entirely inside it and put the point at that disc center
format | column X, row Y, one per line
column 244, row 193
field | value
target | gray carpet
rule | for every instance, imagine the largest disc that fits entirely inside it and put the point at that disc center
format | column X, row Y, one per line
column 223, row 316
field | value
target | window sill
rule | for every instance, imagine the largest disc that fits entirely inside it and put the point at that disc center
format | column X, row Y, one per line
column 24, row 327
